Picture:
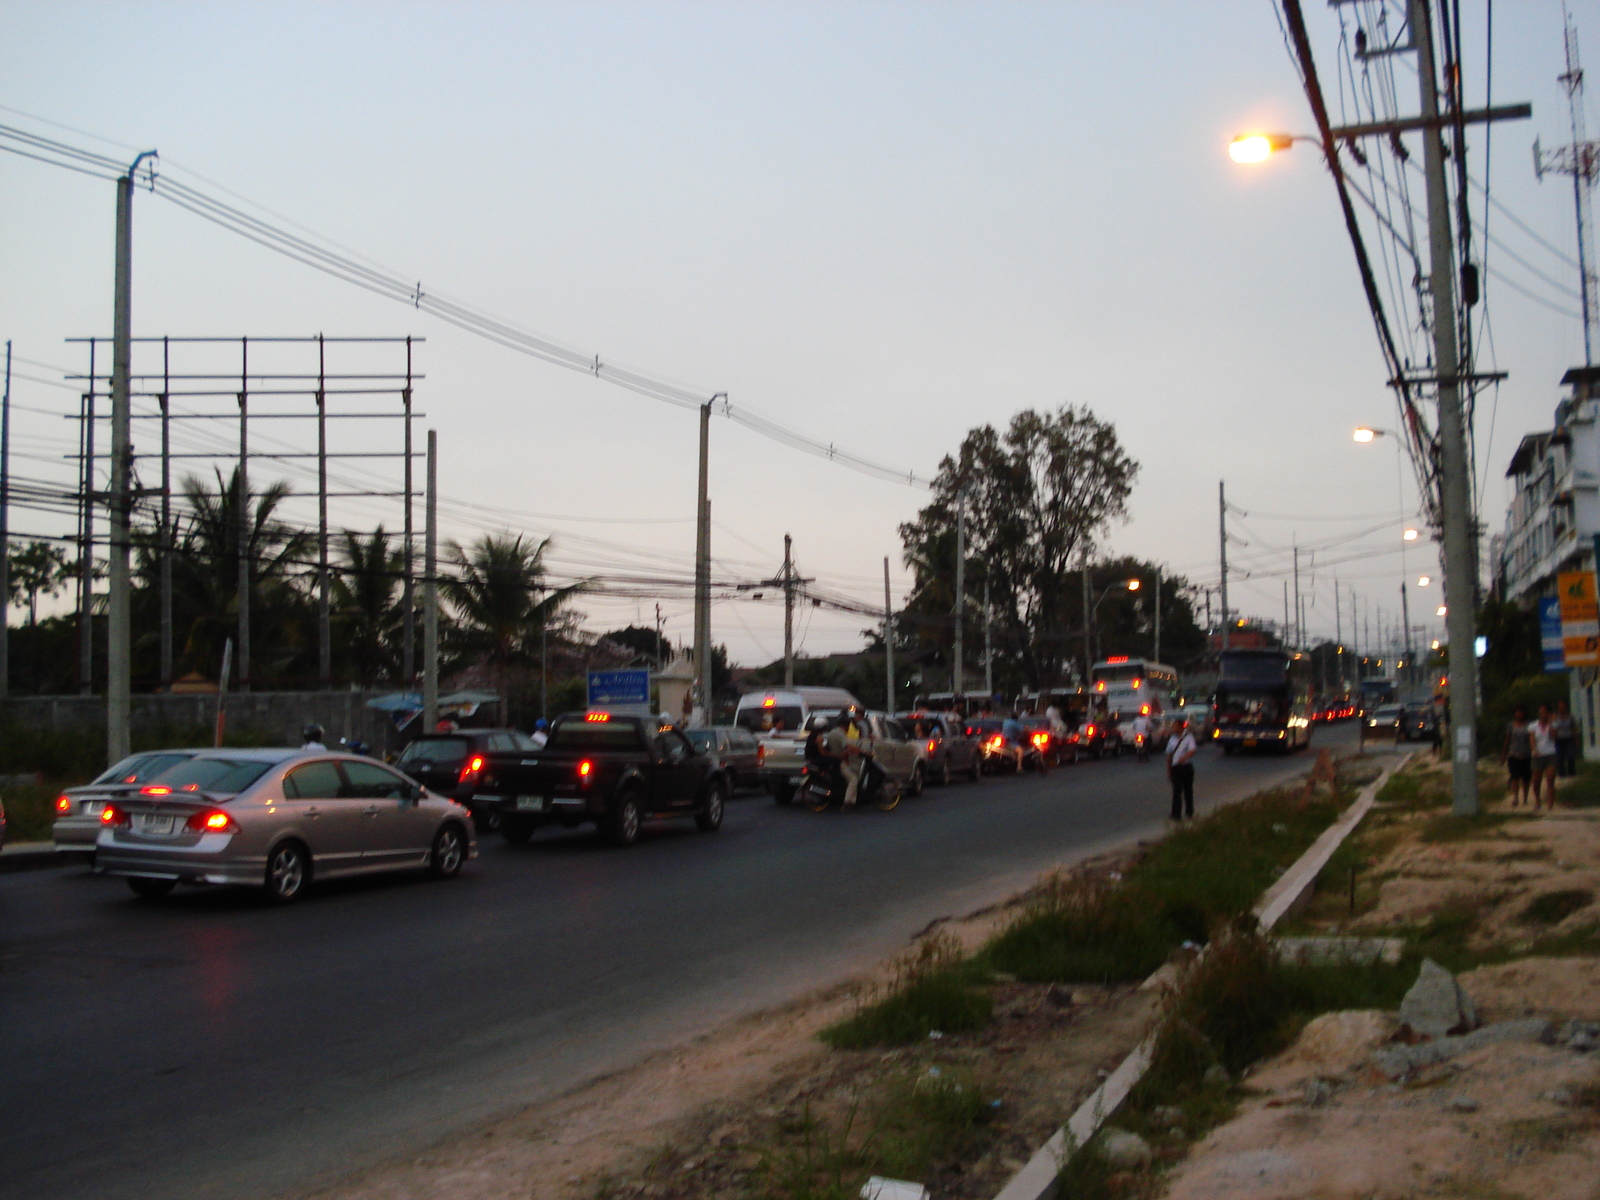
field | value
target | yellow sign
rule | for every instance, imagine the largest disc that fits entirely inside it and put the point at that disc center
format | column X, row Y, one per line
column 1580, row 618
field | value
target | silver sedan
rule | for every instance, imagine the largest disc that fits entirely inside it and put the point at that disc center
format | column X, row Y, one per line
column 276, row 819
column 77, row 823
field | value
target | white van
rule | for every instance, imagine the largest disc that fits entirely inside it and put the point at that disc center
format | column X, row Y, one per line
column 786, row 711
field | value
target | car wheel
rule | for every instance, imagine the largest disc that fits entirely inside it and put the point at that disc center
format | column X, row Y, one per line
column 709, row 819
column 914, row 786
column 449, row 852
column 151, row 889
column 518, row 833
column 888, row 796
column 977, row 767
column 288, row 872
column 623, row 826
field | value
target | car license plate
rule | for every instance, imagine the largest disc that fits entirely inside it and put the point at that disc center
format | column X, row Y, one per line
column 156, row 823
column 530, row 803
column 1249, row 742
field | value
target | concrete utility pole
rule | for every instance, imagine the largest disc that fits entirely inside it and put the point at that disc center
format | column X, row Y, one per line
column 5, row 533
column 166, row 518
column 1338, row 630
column 988, row 642
column 1156, row 652
column 119, row 611
column 702, row 569
column 1405, row 617
column 244, row 514
column 958, row 674
column 324, row 604
column 788, row 608
column 888, row 639
column 1083, row 574
column 430, row 591
column 1222, row 518
column 1299, row 624
column 86, row 539
column 1460, row 537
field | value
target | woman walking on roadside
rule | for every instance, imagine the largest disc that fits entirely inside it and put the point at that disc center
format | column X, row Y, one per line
column 1543, row 734
column 1517, row 754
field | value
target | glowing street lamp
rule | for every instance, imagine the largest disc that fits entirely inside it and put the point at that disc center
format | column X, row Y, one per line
column 1410, row 535
column 1442, row 612
column 1258, row 147
column 1423, row 581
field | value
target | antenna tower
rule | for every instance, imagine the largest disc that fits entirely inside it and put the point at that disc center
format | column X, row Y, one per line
column 1581, row 160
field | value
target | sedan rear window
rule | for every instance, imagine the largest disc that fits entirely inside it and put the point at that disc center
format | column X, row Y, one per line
column 214, row 775
column 141, row 768
column 445, row 751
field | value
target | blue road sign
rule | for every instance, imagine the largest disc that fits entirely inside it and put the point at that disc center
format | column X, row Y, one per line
column 607, row 689
column 1555, row 658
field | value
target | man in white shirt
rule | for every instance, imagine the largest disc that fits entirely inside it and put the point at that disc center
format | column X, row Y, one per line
column 1181, row 750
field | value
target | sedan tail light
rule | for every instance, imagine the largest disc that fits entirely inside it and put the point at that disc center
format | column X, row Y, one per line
column 114, row 814
column 63, row 803
column 211, row 820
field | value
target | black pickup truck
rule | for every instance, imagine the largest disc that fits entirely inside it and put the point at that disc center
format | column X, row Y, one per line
column 613, row 770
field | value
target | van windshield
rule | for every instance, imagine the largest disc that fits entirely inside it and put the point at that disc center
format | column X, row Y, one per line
column 776, row 719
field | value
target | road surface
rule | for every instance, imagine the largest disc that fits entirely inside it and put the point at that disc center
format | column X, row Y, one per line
column 210, row 1048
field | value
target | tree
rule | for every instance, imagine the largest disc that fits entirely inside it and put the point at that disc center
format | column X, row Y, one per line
column 1035, row 497
column 646, row 643
column 37, row 568
column 366, row 603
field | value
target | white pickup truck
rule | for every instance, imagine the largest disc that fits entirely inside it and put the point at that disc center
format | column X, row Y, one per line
column 904, row 758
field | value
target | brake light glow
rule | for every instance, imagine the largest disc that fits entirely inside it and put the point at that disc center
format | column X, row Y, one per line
column 63, row 803
column 210, row 821
column 474, row 765
column 1137, row 684
column 114, row 814
column 1091, row 731
column 597, row 718
column 768, row 702
column 1117, row 658
column 996, row 742
column 1101, row 686
column 1144, row 710
column 932, row 747
column 1040, row 739
column 155, row 789
column 761, row 753
column 585, row 769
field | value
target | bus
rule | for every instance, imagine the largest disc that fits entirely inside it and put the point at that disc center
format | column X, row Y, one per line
column 1128, row 686
column 1375, row 693
column 1263, row 700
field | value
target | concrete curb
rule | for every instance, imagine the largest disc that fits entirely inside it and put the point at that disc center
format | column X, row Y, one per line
column 1037, row 1180
column 31, row 856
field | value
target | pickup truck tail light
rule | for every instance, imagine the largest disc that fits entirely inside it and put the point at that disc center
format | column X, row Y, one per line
column 470, row 772
column 933, row 747
column 761, row 754
column 585, row 772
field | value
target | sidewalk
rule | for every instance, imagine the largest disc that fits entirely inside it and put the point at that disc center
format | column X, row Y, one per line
column 29, row 856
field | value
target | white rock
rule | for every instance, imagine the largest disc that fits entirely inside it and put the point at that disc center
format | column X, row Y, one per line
column 1124, row 1150
column 1436, row 1005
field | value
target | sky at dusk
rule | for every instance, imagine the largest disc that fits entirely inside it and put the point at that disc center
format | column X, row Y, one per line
column 878, row 224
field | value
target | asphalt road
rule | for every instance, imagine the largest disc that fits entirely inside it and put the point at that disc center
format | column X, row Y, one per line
column 210, row 1047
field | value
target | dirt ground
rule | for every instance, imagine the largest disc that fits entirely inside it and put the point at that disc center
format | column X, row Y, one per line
column 690, row 1122
column 1517, row 1119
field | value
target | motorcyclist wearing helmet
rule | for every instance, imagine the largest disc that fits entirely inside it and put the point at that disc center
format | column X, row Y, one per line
column 820, row 755
column 850, row 740
column 311, row 737
column 541, row 733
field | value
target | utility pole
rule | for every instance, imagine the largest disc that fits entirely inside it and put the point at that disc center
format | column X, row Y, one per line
column 1460, row 535
column 1405, row 617
column 788, row 609
column 1299, row 624
column 430, row 591
column 86, row 542
column 661, row 657
column 119, row 610
column 888, row 639
column 958, row 674
column 324, row 608
column 988, row 642
column 1083, row 573
column 1222, row 517
column 244, row 515
column 5, row 532
column 1581, row 160
column 166, row 517
column 702, row 569
column 1157, row 650
column 1287, row 636
column 1338, row 631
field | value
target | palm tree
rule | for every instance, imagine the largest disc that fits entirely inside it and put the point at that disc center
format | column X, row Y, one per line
column 366, row 605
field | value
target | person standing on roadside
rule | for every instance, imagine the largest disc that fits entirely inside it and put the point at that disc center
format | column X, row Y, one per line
column 1517, row 755
column 1180, row 770
column 1566, row 734
column 1543, row 734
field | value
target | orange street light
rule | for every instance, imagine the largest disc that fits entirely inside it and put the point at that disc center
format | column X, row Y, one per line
column 1258, row 147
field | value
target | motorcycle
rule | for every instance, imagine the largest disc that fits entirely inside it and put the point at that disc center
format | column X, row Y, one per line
column 1034, row 754
column 817, row 791
column 1141, row 744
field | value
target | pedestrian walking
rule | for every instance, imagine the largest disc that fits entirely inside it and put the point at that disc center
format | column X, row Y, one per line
column 1180, row 770
column 1543, row 734
column 1517, row 755
column 1566, row 734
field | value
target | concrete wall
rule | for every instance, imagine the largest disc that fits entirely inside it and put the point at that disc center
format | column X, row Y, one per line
column 279, row 716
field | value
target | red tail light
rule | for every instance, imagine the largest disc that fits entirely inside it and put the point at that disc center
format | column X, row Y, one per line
column 474, row 765
column 932, row 747
column 585, row 769
column 996, row 742
column 1091, row 731
column 211, row 820
column 114, row 814
column 1040, row 739
column 63, row 803
column 761, row 754
column 155, row 789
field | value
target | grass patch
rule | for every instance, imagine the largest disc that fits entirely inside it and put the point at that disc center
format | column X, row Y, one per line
column 1584, row 942
column 1452, row 828
column 934, row 988
column 1554, row 907
column 30, row 811
column 1190, row 886
column 906, row 1127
